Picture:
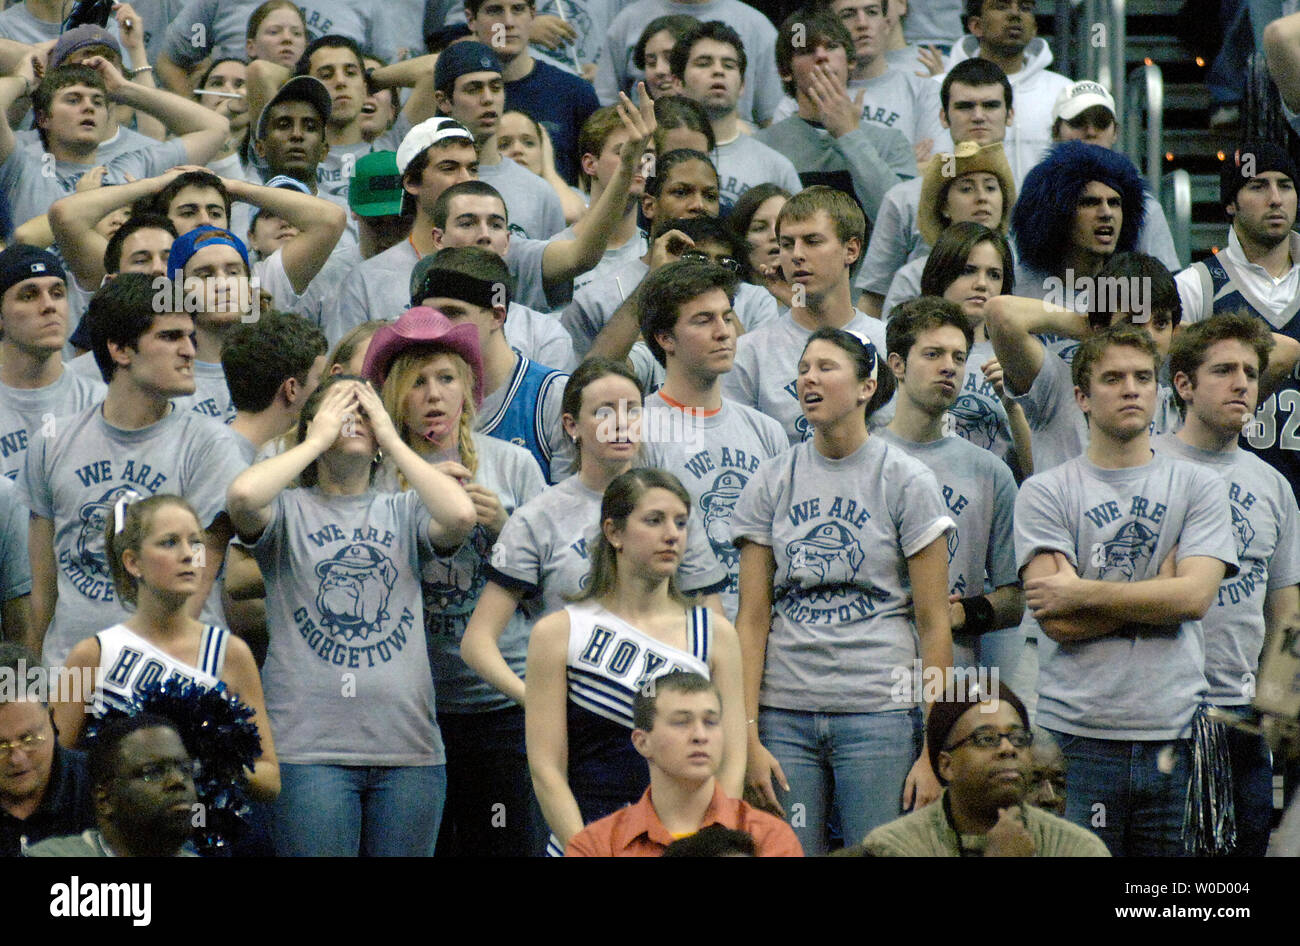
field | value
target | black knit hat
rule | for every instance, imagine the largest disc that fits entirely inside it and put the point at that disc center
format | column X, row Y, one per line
column 945, row 713
column 1251, row 159
column 21, row 261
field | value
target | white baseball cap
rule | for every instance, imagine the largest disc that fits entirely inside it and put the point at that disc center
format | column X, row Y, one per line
column 1080, row 96
column 428, row 132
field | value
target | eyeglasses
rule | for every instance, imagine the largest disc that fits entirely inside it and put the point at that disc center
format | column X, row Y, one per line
column 157, row 771
column 729, row 263
column 27, row 743
column 986, row 737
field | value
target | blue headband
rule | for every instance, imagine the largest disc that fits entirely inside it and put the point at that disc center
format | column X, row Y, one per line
column 184, row 248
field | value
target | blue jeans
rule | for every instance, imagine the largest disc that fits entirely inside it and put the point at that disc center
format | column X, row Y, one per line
column 856, row 762
column 346, row 811
column 1116, row 789
column 1252, row 791
column 491, row 810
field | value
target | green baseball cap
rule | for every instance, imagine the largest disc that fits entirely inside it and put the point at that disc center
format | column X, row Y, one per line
column 376, row 188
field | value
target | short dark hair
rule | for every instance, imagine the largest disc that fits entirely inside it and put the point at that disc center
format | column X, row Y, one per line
column 120, row 312
column 60, row 77
column 104, row 749
column 679, row 681
column 948, row 258
column 715, row 840
column 1189, row 347
column 924, row 314
column 668, row 288
column 258, row 357
column 133, row 224
column 860, row 355
column 163, row 199
column 678, row 111
column 1162, row 291
column 442, row 206
column 975, row 72
column 1092, row 348
column 811, row 25
column 330, row 40
column 715, row 30
column 678, row 24
column 710, row 230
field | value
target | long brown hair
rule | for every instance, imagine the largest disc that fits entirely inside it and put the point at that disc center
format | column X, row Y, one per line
column 620, row 499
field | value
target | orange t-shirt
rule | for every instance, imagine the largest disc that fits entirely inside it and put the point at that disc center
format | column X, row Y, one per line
column 636, row 831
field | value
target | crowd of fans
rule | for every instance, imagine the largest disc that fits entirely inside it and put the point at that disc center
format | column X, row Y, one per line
column 615, row 428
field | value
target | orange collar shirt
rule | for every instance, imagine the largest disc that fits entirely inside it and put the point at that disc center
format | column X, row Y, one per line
column 636, row 831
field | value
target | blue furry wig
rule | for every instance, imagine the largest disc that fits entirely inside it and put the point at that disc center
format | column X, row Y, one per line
column 1044, row 213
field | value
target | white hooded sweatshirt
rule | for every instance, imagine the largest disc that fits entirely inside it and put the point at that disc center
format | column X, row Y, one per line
column 1033, row 93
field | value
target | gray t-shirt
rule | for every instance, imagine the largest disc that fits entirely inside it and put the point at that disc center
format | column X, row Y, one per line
column 1141, row 682
column 33, row 182
column 870, row 159
column 714, row 456
column 219, row 28
column 766, row 369
column 762, row 88
column 29, row 413
column 747, row 162
column 211, row 396
column 614, row 257
column 15, row 565
column 896, row 99
column 347, row 681
column 1058, row 430
column 939, row 22
column 979, row 493
column 318, row 305
column 18, row 24
column 840, row 532
column 534, row 207
column 452, row 584
column 894, row 239
column 905, row 285
column 1266, row 526
column 542, row 551
column 334, row 174
column 75, row 477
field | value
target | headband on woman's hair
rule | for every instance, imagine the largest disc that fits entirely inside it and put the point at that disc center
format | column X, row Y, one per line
column 119, row 509
column 869, row 346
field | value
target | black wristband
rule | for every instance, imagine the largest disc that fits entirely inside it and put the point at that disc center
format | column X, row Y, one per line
column 979, row 615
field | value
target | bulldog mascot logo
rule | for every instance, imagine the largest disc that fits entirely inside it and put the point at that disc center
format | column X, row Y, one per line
column 353, row 594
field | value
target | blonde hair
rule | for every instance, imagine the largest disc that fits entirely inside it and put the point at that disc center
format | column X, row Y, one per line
column 137, row 520
column 347, row 346
column 402, row 375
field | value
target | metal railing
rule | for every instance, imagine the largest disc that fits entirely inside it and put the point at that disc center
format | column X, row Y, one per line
column 1099, row 53
column 1144, row 127
column 1177, row 204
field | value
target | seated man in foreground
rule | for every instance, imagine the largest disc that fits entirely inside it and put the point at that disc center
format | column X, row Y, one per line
column 980, row 747
column 679, row 731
